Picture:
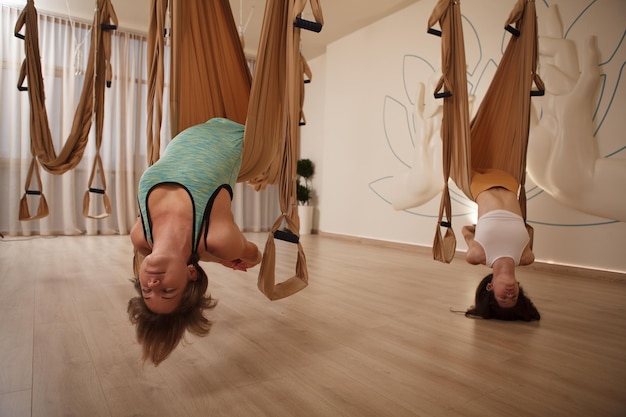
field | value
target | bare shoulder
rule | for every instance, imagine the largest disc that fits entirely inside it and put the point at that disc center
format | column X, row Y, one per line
column 528, row 257
column 224, row 239
column 475, row 254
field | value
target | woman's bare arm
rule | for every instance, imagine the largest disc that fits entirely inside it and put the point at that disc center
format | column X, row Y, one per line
column 475, row 254
column 226, row 245
column 225, row 241
column 138, row 239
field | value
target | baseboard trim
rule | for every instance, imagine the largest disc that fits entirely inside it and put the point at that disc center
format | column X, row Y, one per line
column 559, row 269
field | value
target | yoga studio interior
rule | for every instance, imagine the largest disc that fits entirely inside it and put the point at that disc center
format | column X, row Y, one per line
column 398, row 208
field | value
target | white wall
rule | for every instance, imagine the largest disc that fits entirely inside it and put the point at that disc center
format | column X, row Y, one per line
column 345, row 135
column 313, row 147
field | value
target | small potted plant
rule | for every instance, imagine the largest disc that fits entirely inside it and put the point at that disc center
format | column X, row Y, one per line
column 305, row 170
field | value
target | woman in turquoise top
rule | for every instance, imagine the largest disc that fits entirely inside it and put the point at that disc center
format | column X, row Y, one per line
column 185, row 217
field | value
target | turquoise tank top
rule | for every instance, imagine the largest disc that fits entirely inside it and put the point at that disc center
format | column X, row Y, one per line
column 202, row 159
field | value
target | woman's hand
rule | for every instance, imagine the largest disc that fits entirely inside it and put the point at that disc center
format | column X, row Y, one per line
column 237, row 265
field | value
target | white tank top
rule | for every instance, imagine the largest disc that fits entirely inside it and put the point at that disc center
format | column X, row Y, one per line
column 502, row 234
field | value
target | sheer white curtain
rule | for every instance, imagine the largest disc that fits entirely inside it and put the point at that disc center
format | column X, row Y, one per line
column 64, row 51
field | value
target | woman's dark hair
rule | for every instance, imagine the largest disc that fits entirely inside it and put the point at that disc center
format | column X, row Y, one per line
column 159, row 334
column 486, row 306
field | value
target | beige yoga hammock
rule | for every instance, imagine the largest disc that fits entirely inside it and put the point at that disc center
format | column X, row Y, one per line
column 210, row 78
column 90, row 106
column 497, row 137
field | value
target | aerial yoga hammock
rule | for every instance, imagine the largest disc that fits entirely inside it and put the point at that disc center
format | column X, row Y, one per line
column 210, row 78
column 497, row 137
column 90, row 106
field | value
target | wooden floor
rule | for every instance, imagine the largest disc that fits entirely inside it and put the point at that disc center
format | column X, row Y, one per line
column 372, row 335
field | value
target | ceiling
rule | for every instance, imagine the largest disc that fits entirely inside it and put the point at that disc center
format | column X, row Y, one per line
column 341, row 17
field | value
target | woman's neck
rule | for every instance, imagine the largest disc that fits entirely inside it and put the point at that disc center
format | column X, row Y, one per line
column 503, row 266
column 171, row 213
column 172, row 234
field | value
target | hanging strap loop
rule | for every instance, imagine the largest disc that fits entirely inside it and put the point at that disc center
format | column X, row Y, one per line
column 308, row 25
column 267, row 277
column 42, row 210
column 97, row 165
column 444, row 245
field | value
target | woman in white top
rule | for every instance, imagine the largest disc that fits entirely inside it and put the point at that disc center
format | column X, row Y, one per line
column 499, row 240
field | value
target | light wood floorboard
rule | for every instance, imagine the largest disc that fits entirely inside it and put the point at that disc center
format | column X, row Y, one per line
column 372, row 335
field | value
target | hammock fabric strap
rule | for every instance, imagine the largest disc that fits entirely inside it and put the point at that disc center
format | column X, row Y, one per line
column 264, row 139
column 209, row 73
column 497, row 137
column 156, row 78
column 97, row 75
column 455, row 129
column 285, row 173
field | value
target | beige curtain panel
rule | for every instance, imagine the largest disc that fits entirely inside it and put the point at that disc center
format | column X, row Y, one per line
column 91, row 105
column 210, row 78
column 497, row 137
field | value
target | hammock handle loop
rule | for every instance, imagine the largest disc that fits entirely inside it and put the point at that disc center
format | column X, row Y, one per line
column 42, row 210
column 308, row 25
column 434, row 31
column 267, row 279
column 512, row 30
column 97, row 165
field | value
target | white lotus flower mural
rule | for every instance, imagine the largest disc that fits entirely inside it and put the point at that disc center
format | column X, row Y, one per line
column 412, row 125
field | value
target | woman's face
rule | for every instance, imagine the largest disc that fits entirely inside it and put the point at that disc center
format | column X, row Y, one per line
column 505, row 289
column 163, row 280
